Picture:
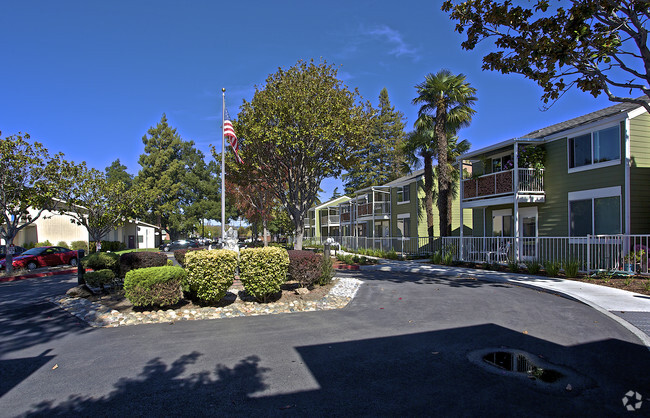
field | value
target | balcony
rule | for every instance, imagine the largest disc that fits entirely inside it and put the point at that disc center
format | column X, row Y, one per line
column 326, row 220
column 531, row 182
column 373, row 209
column 345, row 217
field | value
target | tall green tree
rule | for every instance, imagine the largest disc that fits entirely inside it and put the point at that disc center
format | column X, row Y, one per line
column 116, row 172
column 381, row 160
column 31, row 183
column 301, row 127
column 100, row 204
column 599, row 46
column 445, row 100
column 172, row 174
column 422, row 144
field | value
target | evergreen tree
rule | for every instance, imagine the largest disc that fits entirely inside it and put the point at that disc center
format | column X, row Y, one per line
column 381, row 161
column 117, row 172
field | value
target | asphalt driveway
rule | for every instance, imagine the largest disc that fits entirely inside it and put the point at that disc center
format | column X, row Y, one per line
column 404, row 346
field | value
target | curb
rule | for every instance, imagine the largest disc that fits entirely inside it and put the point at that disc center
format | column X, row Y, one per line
column 34, row 275
column 645, row 339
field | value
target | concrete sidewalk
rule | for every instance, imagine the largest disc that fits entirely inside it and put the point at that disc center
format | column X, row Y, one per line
column 632, row 310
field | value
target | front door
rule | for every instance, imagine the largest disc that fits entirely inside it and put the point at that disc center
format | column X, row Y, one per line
column 131, row 242
column 528, row 233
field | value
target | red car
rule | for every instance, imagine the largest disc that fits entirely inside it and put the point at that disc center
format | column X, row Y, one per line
column 43, row 257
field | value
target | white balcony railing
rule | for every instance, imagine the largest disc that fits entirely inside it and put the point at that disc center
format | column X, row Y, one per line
column 380, row 208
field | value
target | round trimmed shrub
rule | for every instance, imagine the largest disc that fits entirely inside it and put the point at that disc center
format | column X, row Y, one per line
column 142, row 259
column 305, row 267
column 263, row 270
column 179, row 255
column 210, row 273
column 102, row 261
column 99, row 278
column 154, row 286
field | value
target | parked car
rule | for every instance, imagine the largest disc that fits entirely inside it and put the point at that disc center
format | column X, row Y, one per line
column 44, row 257
column 17, row 251
column 179, row 245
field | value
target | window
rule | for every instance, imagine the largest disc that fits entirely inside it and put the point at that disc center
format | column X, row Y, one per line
column 595, row 147
column 404, row 227
column 595, row 216
column 404, row 194
column 502, row 223
column 140, row 239
column 502, row 163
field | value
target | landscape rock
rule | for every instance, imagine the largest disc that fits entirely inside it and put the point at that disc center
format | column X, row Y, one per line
column 81, row 291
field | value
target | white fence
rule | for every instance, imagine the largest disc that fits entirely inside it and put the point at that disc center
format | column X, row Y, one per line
column 594, row 252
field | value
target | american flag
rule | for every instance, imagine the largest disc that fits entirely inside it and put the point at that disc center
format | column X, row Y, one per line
column 229, row 132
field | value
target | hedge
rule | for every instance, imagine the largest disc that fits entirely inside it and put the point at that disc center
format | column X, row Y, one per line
column 179, row 255
column 99, row 278
column 210, row 273
column 102, row 261
column 154, row 286
column 111, row 246
column 142, row 259
column 263, row 270
column 305, row 267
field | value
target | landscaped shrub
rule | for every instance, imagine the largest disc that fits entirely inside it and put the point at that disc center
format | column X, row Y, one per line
column 63, row 244
column 571, row 268
column 263, row 270
column 45, row 243
column 170, row 262
column 436, row 258
column 111, row 246
column 513, row 266
column 305, row 267
column 392, row 255
column 552, row 268
column 326, row 271
column 533, row 266
column 79, row 245
column 99, row 278
column 102, row 261
column 154, row 286
column 179, row 255
column 448, row 258
column 210, row 273
column 139, row 260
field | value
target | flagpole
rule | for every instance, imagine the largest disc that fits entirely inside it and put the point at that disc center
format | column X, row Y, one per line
column 223, row 167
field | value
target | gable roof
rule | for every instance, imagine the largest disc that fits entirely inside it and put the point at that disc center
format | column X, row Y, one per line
column 406, row 179
column 620, row 108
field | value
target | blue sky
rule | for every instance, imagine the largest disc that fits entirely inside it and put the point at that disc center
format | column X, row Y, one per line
column 88, row 78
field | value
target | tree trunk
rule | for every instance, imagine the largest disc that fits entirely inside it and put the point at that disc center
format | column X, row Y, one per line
column 428, row 191
column 443, row 171
column 265, row 232
column 300, row 231
column 9, row 267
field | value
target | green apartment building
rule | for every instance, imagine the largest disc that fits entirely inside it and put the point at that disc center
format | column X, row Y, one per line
column 593, row 180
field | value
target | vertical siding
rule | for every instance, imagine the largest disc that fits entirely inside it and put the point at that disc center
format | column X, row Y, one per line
column 640, row 174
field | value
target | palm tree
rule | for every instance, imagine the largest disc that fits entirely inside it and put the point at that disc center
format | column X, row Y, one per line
column 422, row 143
column 449, row 100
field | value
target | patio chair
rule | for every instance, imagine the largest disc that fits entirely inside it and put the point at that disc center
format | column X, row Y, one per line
column 503, row 252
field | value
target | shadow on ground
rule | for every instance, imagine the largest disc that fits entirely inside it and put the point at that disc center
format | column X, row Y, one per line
column 419, row 374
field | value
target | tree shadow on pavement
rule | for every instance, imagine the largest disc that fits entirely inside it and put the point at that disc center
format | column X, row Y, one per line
column 420, row 374
column 165, row 390
column 426, row 277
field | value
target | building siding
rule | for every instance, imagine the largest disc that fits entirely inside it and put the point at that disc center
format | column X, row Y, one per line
column 640, row 174
column 558, row 183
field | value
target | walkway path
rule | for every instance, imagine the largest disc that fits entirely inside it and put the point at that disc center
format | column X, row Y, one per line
column 634, row 308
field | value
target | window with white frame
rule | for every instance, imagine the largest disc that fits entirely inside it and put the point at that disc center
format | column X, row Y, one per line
column 595, row 147
column 595, row 214
column 404, row 227
column 404, row 194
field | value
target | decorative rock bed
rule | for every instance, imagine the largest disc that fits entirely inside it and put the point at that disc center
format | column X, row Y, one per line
column 98, row 315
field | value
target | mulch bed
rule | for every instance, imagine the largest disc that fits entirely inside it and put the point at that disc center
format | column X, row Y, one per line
column 638, row 284
column 117, row 301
